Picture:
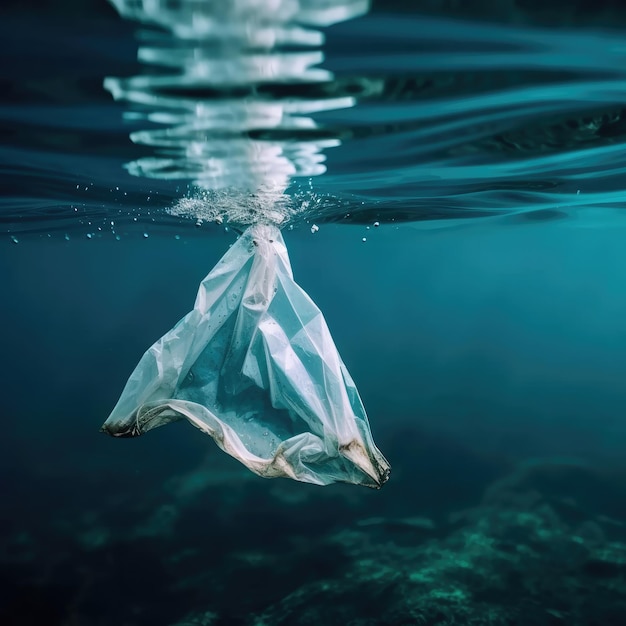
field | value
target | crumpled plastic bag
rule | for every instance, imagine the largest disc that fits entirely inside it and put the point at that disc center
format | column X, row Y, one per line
column 254, row 366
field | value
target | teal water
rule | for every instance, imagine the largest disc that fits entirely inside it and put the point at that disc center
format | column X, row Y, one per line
column 482, row 319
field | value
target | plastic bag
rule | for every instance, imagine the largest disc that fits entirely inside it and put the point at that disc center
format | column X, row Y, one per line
column 253, row 365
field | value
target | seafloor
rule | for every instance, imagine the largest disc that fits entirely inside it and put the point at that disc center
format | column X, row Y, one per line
column 454, row 538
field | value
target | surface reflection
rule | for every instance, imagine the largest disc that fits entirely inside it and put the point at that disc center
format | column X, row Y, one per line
column 229, row 89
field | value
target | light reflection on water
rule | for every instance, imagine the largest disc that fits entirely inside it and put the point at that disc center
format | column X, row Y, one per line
column 207, row 91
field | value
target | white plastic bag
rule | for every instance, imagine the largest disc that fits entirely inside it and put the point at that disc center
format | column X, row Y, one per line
column 253, row 365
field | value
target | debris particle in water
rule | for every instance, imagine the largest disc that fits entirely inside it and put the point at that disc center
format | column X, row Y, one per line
column 67, row 237
column 364, row 239
column 14, row 239
column 314, row 228
column 376, row 224
column 89, row 235
column 177, row 237
column 145, row 235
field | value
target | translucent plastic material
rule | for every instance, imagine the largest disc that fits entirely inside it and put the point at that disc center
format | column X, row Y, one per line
column 253, row 365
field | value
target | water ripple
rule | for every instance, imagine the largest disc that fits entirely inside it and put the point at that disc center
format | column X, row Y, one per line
column 392, row 117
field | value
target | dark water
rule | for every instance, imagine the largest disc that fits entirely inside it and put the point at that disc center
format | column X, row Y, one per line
column 482, row 319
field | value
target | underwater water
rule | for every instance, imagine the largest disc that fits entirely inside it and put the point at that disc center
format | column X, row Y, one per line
column 450, row 177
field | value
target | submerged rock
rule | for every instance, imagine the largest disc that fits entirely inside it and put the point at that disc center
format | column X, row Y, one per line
column 511, row 560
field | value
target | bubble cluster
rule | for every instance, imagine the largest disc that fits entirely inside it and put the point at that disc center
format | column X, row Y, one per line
column 266, row 205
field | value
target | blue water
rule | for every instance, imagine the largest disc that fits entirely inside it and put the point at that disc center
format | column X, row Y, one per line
column 482, row 318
